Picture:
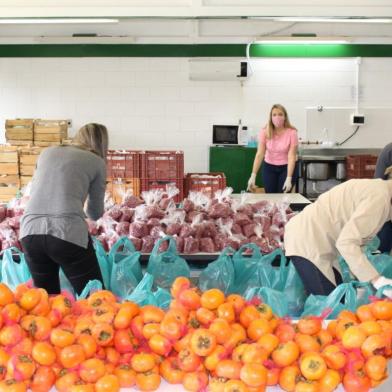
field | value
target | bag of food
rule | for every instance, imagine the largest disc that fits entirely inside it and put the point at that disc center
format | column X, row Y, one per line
column 103, row 261
column 166, row 266
column 14, row 269
column 218, row 274
column 274, row 298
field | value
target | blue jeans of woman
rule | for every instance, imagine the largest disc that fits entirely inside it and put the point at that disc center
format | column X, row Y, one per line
column 274, row 176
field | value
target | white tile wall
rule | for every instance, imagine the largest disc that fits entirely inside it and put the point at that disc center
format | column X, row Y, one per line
column 151, row 103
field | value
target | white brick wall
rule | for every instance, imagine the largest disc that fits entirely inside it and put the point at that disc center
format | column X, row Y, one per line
column 151, row 103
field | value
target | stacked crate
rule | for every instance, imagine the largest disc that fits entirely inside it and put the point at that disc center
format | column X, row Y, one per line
column 208, row 183
column 123, row 173
column 360, row 166
column 19, row 132
column 50, row 132
column 27, row 162
column 9, row 173
column 160, row 169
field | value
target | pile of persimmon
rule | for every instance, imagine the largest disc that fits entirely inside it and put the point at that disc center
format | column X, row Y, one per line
column 204, row 341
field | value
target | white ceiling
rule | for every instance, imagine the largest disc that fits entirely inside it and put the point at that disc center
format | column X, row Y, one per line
column 194, row 21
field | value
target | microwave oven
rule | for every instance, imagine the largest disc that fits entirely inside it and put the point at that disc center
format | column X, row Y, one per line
column 229, row 134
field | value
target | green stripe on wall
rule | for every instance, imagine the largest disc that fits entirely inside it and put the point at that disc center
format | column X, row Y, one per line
column 196, row 50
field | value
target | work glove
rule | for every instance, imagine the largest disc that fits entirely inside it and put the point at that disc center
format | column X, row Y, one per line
column 251, row 182
column 382, row 281
column 287, row 185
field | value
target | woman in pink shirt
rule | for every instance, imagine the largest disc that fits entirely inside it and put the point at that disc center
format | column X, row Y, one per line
column 278, row 143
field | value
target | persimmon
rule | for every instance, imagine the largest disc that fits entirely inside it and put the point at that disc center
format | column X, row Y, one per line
column 237, row 301
column 172, row 328
column 21, row 367
column 142, row 362
column 126, row 376
column 269, row 342
column 212, row 360
column 81, row 386
column 254, row 353
column 151, row 314
column 43, row 306
column 382, row 310
column 342, row 326
column 356, row 381
column 150, row 329
column 103, row 334
column 170, row 371
column 11, row 385
column 309, row 325
column 88, row 343
column 44, row 353
column 226, row 311
column 353, row 337
column 188, row 360
column 195, row 381
column 104, row 314
column 11, row 335
column 61, row 304
column 324, row 338
column 217, row 384
column 61, row 337
column 6, row 295
column 205, row 316
column 183, row 343
column 285, row 332
column 83, row 326
column 374, row 345
column 43, row 379
column 180, row 284
column 124, row 341
column 228, row 368
column 347, row 315
column 307, row 386
column 370, row 327
column 190, row 299
column 25, row 346
column 364, row 313
column 235, row 386
column 97, row 298
column 307, row 343
column 273, row 376
column 376, row 367
column 289, row 377
column 107, row 383
column 65, row 379
column 248, row 314
column 221, row 330
column 40, row 328
column 72, row 356
column 257, row 328
column 12, row 313
column 128, row 310
column 29, row 299
column 160, row 344
column 254, row 374
column 330, row 381
column 202, row 342
column 237, row 336
column 334, row 357
column 112, row 356
column 313, row 366
column 148, row 381
column 212, row 299
column 91, row 370
column 285, row 354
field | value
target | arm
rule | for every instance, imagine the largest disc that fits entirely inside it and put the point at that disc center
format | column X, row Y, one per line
column 96, row 195
column 258, row 157
column 292, row 155
column 365, row 222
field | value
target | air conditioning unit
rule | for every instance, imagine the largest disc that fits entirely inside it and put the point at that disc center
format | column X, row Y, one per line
column 219, row 69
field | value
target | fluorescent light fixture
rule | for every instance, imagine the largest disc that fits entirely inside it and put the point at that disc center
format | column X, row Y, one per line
column 57, row 21
column 330, row 20
column 295, row 40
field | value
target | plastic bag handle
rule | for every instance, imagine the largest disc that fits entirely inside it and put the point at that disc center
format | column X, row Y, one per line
column 276, row 252
column 252, row 246
column 226, row 251
column 172, row 245
column 122, row 241
column 381, row 290
column 12, row 249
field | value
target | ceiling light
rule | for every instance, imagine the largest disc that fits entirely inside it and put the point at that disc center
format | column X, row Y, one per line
column 330, row 20
column 57, row 21
column 295, row 40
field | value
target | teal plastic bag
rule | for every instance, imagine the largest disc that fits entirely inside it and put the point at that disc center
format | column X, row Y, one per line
column 124, row 249
column 65, row 284
column 382, row 263
column 345, row 296
column 245, row 267
column 275, row 299
column 380, row 291
column 218, row 274
column 103, row 262
column 13, row 273
column 143, row 294
column 91, row 287
column 166, row 266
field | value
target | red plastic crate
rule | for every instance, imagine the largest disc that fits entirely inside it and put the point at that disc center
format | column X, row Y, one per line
column 207, row 183
column 360, row 166
column 150, row 184
column 162, row 164
column 123, row 164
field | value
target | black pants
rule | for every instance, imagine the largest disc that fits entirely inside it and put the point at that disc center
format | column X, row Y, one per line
column 45, row 255
column 385, row 236
column 275, row 175
column 313, row 279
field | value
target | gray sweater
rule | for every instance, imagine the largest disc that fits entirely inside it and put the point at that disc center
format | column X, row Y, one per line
column 64, row 178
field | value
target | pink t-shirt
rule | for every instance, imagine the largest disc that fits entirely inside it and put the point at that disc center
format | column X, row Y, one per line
column 277, row 148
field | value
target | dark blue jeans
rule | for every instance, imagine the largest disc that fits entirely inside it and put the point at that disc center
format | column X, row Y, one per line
column 385, row 236
column 313, row 279
column 275, row 175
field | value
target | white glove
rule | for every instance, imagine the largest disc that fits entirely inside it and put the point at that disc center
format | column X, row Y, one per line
column 382, row 281
column 287, row 185
column 251, row 182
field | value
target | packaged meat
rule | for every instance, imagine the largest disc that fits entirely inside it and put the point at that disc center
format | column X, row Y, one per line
column 207, row 245
column 131, row 201
column 186, row 230
column 191, row 245
column 237, row 229
column 147, row 244
column 179, row 244
column 248, row 230
column 126, row 214
column 241, row 219
column 157, row 231
column 138, row 229
column 122, row 228
column 137, row 243
column 220, row 210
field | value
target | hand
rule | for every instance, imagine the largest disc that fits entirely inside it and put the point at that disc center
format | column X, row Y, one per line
column 251, row 182
column 287, row 185
column 382, row 281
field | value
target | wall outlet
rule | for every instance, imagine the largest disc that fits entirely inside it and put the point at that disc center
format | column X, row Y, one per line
column 357, row 119
column 69, row 122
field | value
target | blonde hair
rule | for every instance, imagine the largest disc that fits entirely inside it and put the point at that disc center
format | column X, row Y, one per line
column 270, row 128
column 93, row 137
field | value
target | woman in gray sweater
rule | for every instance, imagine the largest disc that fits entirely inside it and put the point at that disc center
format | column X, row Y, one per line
column 53, row 228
